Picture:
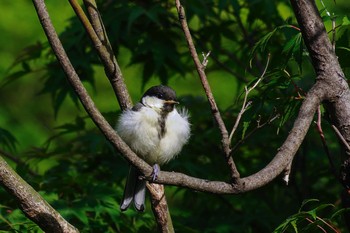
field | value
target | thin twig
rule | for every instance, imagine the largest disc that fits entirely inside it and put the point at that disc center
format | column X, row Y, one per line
column 319, row 227
column 259, row 126
column 246, row 104
column 214, row 108
column 345, row 143
column 329, row 225
column 323, row 139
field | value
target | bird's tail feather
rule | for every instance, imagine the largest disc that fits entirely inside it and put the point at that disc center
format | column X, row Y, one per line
column 135, row 189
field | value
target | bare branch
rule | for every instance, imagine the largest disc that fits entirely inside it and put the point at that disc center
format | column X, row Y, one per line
column 345, row 143
column 214, row 108
column 106, row 55
column 96, row 21
column 246, row 104
column 259, row 126
column 326, row 65
column 323, row 139
column 82, row 93
column 31, row 203
column 160, row 208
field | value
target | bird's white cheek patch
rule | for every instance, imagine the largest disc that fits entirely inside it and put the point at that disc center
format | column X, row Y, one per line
column 153, row 102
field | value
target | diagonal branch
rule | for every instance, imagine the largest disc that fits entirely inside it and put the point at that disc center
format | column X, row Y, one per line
column 31, row 203
column 214, row 108
column 246, row 104
column 96, row 22
column 106, row 55
column 82, row 93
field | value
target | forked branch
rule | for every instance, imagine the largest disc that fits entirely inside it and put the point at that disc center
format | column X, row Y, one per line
column 246, row 104
column 104, row 50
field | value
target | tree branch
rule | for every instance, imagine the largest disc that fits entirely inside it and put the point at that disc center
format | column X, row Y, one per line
column 323, row 139
column 246, row 104
column 214, row 108
column 326, row 65
column 96, row 22
column 160, row 208
column 31, row 203
column 105, row 53
column 82, row 93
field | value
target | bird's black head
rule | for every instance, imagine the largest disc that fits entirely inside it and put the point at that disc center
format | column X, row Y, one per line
column 162, row 92
column 161, row 97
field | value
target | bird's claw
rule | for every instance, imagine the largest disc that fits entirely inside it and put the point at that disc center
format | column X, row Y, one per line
column 156, row 170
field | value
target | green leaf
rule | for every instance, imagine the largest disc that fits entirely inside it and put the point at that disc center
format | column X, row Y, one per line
column 306, row 202
column 345, row 21
column 313, row 212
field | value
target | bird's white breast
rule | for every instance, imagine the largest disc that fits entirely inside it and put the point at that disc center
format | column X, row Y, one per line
column 140, row 130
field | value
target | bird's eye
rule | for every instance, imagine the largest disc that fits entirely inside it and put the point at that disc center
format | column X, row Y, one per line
column 160, row 96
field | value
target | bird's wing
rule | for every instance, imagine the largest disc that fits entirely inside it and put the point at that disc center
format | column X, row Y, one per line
column 129, row 189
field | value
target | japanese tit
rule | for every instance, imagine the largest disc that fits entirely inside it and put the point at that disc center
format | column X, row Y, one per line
column 154, row 130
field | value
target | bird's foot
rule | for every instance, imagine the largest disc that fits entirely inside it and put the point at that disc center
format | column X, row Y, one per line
column 156, row 170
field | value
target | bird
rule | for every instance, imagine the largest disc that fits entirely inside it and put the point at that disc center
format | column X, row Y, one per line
column 155, row 131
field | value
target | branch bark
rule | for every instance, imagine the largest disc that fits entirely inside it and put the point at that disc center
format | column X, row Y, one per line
column 105, row 52
column 326, row 65
column 31, row 203
column 160, row 208
column 329, row 72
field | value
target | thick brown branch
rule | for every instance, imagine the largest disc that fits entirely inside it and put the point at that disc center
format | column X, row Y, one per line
column 326, row 64
column 160, row 208
column 31, row 203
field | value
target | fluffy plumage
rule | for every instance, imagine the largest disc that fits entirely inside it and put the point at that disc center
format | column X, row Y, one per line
column 156, row 131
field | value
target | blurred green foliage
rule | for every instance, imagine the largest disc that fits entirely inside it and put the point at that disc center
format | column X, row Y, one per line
column 57, row 149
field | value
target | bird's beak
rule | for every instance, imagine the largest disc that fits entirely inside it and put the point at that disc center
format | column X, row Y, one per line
column 171, row 102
